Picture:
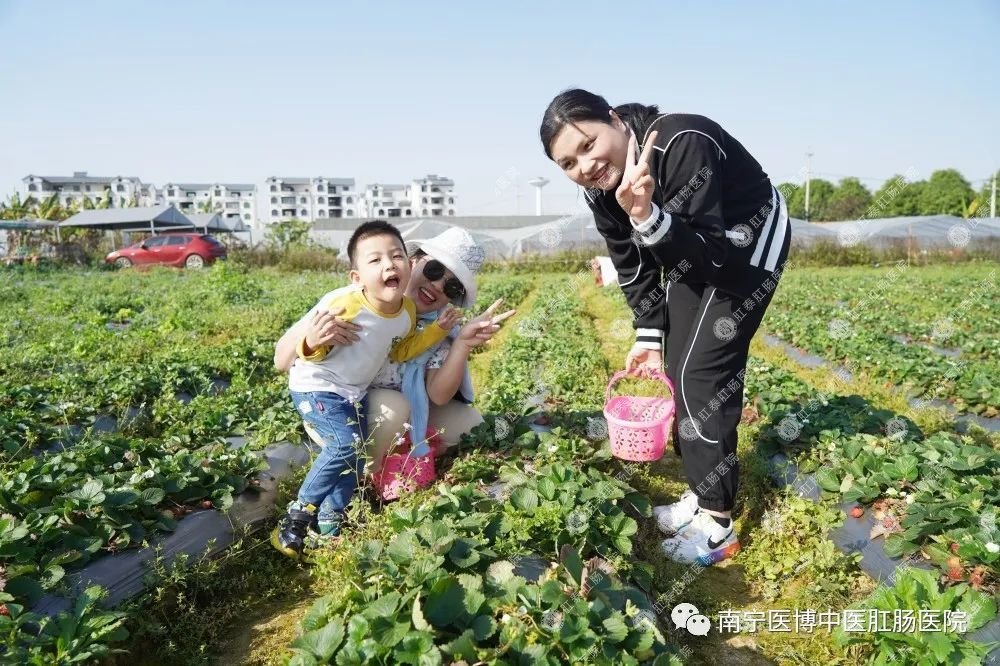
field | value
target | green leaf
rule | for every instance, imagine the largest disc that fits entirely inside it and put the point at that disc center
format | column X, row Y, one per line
column 419, row 623
column 524, row 499
column 463, row 647
column 52, row 575
column 616, row 628
column 152, row 496
column 223, row 501
column 318, row 614
column 470, row 581
column 895, row 545
column 402, row 547
column 444, row 602
column 571, row 561
column 66, row 557
column 827, row 479
column 417, row 648
column 979, row 608
column 622, row 525
column 383, row 606
column 623, row 544
column 908, row 467
column 437, row 535
column 640, row 503
column 547, row 488
column 26, row 588
column 473, row 601
column 91, row 493
column 463, row 553
column 122, row 497
column 323, row 642
column 939, row 644
column 484, row 626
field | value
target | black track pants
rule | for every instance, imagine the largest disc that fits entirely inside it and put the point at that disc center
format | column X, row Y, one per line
column 707, row 347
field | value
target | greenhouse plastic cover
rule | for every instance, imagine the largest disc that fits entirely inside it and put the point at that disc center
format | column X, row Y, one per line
column 511, row 237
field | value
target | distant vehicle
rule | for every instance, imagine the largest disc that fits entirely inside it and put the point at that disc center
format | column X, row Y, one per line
column 188, row 250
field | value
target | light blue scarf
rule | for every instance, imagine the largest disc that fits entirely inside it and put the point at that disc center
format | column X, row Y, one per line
column 414, row 385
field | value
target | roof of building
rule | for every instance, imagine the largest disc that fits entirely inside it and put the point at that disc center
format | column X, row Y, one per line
column 239, row 187
column 290, row 180
column 216, row 222
column 436, row 179
column 81, row 177
column 124, row 219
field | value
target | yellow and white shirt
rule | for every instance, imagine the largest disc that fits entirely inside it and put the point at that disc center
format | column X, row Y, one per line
column 348, row 370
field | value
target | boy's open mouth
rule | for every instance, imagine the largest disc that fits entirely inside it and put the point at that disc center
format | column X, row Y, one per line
column 392, row 282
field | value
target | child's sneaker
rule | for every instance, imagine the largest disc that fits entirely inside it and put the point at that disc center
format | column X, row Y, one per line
column 290, row 535
column 672, row 518
column 323, row 533
column 704, row 541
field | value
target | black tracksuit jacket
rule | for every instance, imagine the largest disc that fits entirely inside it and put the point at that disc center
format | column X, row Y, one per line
column 719, row 220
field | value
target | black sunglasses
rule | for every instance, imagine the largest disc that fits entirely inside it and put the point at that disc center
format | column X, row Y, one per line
column 434, row 270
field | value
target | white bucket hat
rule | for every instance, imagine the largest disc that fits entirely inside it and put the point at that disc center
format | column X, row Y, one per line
column 459, row 252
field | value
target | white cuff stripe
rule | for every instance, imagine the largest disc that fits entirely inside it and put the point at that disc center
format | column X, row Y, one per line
column 659, row 232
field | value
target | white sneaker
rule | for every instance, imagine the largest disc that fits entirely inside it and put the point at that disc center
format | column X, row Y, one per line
column 672, row 518
column 703, row 541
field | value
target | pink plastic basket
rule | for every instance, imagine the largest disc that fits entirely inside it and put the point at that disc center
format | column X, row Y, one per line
column 639, row 428
column 402, row 473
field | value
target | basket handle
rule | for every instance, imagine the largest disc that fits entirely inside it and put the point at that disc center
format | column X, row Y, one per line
column 622, row 373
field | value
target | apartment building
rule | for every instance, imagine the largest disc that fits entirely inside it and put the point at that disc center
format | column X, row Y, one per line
column 231, row 200
column 73, row 190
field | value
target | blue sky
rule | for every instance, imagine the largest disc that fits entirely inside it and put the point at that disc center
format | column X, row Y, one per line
column 384, row 91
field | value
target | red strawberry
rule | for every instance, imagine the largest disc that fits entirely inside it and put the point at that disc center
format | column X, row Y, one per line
column 857, row 512
column 977, row 577
column 956, row 575
column 207, row 504
column 954, row 547
column 4, row 610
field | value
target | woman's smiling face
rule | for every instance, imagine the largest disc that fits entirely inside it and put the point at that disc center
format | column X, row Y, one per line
column 591, row 153
column 428, row 296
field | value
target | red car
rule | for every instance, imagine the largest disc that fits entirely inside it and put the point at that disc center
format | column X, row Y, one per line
column 188, row 250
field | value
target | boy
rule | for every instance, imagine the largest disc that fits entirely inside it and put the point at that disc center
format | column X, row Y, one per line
column 328, row 382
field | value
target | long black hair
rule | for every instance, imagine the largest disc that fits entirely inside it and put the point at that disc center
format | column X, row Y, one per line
column 577, row 105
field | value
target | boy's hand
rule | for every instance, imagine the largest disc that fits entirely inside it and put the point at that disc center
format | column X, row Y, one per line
column 324, row 329
column 449, row 317
column 483, row 327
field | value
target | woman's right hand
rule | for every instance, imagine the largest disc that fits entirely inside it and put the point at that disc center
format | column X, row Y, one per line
column 644, row 361
column 325, row 329
column 482, row 328
column 635, row 192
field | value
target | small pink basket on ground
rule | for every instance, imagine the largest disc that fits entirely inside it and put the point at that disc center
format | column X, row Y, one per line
column 402, row 473
column 639, row 428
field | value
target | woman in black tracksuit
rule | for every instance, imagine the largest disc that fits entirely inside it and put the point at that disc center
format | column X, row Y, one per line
column 699, row 237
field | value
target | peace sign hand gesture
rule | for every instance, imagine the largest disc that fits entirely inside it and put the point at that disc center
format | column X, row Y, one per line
column 635, row 193
column 482, row 328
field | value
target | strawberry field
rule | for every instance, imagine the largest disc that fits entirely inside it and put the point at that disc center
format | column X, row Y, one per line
column 132, row 404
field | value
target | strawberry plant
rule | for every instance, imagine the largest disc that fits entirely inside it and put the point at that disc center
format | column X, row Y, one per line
column 917, row 590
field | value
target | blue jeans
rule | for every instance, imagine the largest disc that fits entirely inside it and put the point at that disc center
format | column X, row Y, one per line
column 334, row 475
